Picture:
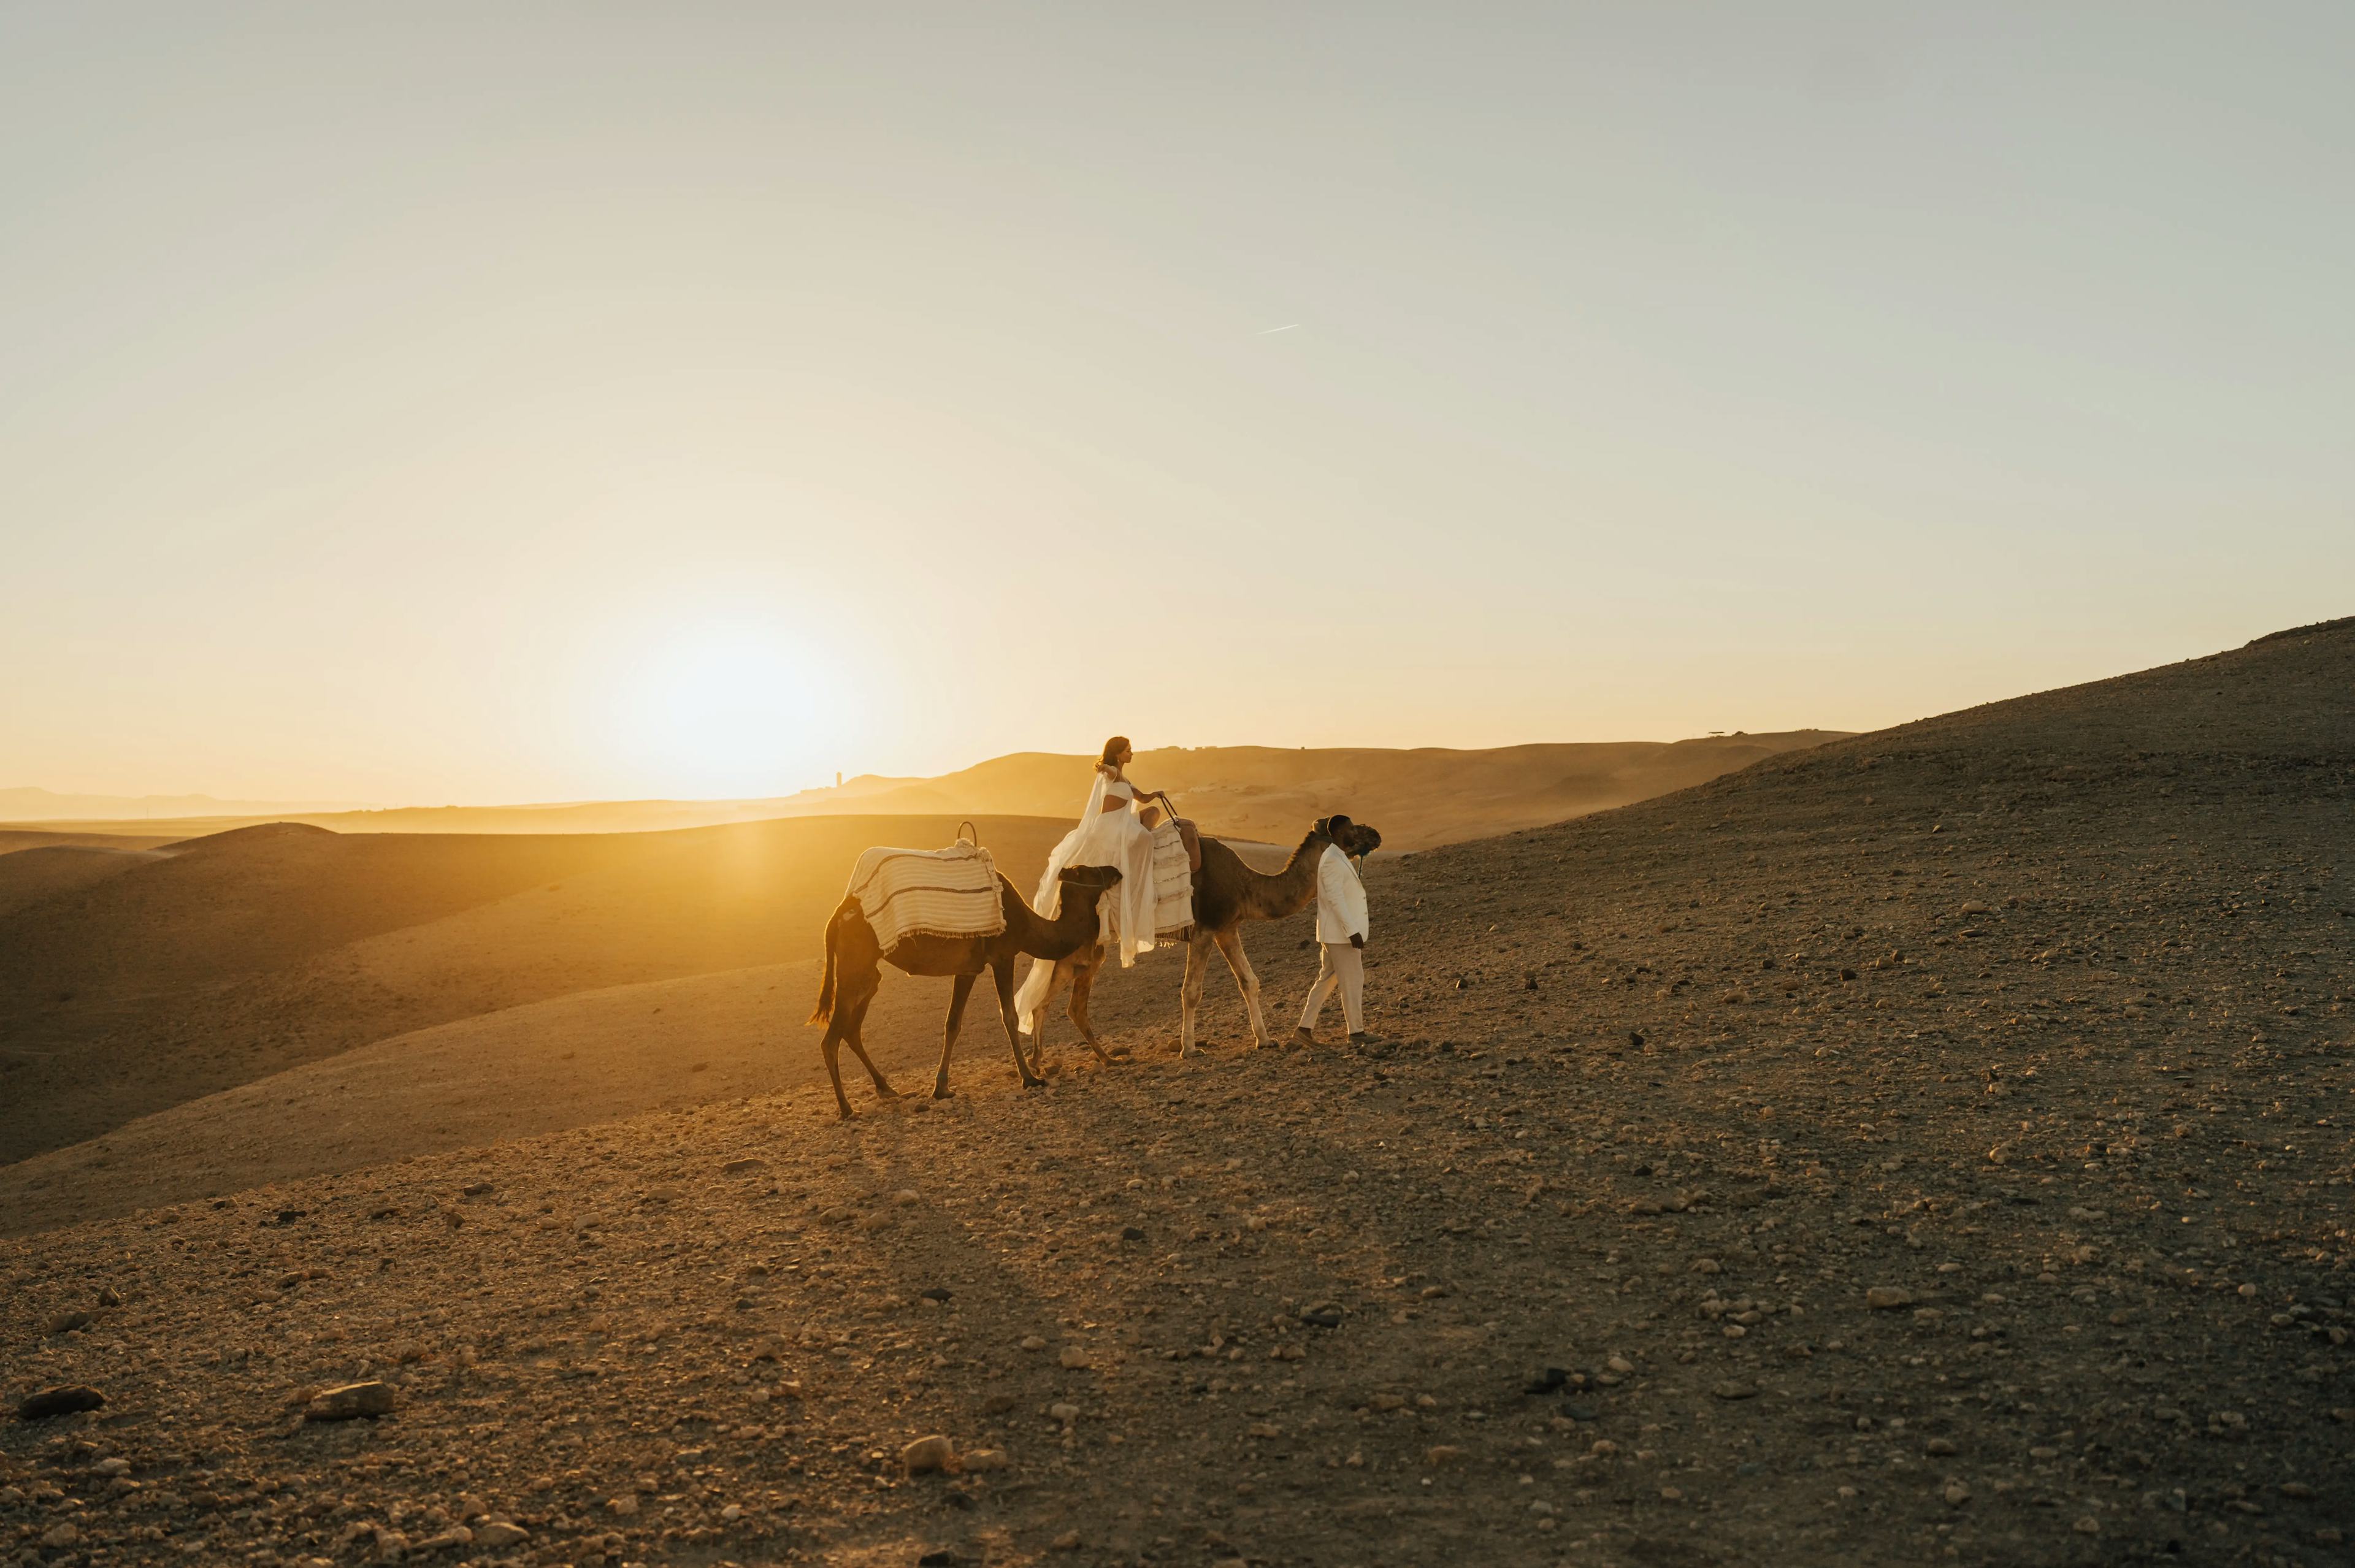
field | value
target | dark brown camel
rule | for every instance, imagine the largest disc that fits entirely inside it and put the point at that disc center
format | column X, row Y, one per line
column 852, row 956
column 1227, row 893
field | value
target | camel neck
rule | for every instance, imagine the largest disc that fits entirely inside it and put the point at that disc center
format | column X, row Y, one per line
column 1290, row 890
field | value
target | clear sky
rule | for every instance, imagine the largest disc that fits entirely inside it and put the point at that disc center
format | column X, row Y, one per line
column 418, row 402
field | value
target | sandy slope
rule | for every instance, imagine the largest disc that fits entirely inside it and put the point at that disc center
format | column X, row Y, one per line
column 30, row 875
column 578, row 1060
column 245, row 954
column 572, row 1062
column 2030, row 1022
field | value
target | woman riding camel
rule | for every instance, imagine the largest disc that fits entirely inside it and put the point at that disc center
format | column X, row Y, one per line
column 1116, row 830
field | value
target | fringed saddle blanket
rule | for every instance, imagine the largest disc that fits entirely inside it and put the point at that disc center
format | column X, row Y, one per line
column 1173, row 882
column 928, row 893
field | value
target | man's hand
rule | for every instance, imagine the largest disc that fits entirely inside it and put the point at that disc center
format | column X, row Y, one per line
column 1357, row 941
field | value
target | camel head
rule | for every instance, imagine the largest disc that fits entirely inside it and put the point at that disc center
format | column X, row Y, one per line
column 1090, row 881
column 1356, row 839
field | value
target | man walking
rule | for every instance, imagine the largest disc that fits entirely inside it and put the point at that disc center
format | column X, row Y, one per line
column 1341, row 937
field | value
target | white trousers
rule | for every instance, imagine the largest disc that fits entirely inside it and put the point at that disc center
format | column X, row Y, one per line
column 1344, row 966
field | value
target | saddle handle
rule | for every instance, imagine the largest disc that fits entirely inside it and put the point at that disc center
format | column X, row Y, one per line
column 968, row 827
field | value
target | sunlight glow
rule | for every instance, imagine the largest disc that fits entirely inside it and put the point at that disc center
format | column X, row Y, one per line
column 731, row 709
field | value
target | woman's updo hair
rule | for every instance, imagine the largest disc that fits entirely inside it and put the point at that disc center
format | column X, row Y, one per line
column 1112, row 749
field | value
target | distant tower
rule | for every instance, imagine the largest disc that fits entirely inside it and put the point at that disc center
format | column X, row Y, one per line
column 837, row 778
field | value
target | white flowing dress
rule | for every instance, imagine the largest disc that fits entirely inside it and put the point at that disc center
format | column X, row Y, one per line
column 1119, row 838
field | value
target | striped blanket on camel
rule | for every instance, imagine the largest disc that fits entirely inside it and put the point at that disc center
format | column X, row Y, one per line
column 928, row 893
column 1173, row 882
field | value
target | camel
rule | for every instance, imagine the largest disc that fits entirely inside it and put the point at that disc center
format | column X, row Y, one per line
column 852, row 975
column 1227, row 893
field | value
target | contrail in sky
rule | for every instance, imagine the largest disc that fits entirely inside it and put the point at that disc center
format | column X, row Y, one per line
column 1287, row 327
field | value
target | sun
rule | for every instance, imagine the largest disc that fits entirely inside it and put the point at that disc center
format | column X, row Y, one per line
column 730, row 709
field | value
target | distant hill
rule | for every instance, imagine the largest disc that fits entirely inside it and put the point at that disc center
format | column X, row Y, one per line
column 48, row 805
column 1419, row 798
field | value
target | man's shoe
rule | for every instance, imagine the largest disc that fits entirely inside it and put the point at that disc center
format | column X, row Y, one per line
column 1301, row 1036
column 1362, row 1038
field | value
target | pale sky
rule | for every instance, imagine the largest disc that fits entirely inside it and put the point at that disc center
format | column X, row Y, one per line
column 414, row 403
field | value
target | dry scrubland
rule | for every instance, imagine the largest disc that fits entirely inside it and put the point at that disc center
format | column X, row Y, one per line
column 1932, row 1147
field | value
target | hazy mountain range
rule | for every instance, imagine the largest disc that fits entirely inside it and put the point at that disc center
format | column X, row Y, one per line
column 30, row 804
column 1419, row 796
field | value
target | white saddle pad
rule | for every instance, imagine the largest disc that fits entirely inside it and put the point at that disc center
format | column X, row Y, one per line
column 1173, row 882
column 928, row 893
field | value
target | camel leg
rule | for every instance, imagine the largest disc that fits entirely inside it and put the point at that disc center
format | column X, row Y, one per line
column 883, row 1090
column 1230, row 942
column 850, row 1004
column 1065, row 973
column 1189, row 997
column 1059, row 971
column 1003, row 973
column 963, row 989
column 1083, row 985
column 831, row 1047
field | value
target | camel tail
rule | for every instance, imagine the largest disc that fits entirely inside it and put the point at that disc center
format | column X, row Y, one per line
column 824, row 1013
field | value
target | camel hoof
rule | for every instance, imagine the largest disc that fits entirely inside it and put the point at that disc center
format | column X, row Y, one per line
column 942, row 1092
column 1034, row 1083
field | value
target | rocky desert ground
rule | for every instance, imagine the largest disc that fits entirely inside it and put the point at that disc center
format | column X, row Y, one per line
column 1928, row 1147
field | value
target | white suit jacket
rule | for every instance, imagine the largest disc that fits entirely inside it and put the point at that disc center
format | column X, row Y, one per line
column 1340, row 898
